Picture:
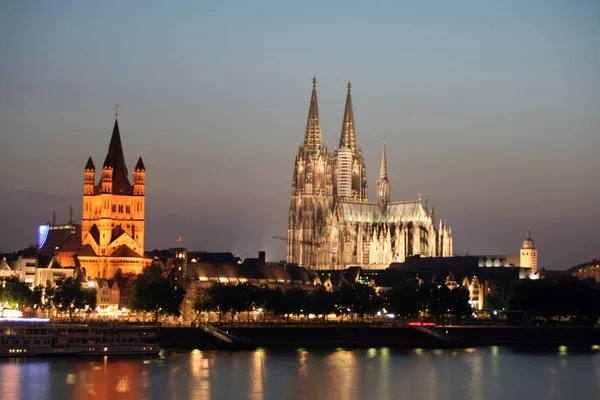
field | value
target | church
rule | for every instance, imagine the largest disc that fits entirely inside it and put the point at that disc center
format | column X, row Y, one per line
column 333, row 225
column 113, row 217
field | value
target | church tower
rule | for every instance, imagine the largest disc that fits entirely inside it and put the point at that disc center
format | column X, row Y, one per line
column 383, row 183
column 529, row 253
column 350, row 172
column 113, row 222
column 312, row 194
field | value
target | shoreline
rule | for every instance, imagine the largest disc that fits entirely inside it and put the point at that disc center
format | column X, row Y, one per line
column 331, row 337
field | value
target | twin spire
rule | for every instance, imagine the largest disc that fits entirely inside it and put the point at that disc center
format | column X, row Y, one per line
column 348, row 136
column 313, row 138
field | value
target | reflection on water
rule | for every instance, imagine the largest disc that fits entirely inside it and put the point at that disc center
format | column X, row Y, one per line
column 375, row 373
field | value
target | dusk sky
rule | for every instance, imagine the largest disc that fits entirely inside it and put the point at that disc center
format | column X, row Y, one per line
column 491, row 110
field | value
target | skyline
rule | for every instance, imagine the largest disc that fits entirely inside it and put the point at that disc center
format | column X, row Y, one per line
column 489, row 111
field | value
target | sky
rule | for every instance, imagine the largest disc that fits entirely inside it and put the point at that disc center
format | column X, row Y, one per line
column 491, row 110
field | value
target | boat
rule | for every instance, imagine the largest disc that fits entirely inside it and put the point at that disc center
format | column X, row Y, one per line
column 25, row 337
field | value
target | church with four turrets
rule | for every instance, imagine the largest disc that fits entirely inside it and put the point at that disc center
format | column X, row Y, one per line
column 113, row 220
column 333, row 225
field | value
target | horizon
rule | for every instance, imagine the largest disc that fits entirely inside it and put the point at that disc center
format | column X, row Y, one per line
column 489, row 111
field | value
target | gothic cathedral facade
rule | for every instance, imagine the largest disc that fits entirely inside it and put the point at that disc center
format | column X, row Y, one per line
column 112, row 225
column 332, row 224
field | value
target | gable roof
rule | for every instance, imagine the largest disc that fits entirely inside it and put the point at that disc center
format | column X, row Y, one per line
column 87, row 251
column 124, row 251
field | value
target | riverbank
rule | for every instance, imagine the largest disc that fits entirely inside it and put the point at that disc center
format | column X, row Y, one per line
column 379, row 336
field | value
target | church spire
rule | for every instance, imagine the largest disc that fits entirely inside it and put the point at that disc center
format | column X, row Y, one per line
column 383, row 171
column 115, row 160
column 383, row 184
column 313, row 140
column 348, row 136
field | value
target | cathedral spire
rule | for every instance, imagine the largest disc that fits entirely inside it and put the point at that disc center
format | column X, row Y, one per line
column 383, row 184
column 313, row 140
column 348, row 136
column 383, row 171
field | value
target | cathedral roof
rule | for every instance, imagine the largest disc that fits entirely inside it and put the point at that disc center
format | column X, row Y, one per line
column 348, row 135
column 396, row 212
column 115, row 159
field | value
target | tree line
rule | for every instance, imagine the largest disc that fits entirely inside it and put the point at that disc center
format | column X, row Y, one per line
column 147, row 292
column 68, row 295
column 553, row 300
column 406, row 299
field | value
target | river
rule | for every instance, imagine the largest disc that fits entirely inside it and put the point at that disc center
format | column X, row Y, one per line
column 377, row 373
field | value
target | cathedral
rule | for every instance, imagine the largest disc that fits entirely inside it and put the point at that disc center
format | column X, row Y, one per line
column 332, row 224
column 112, row 226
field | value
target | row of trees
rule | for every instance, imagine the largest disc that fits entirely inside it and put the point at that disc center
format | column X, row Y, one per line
column 562, row 298
column 406, row 299
column 148, row 292
column 68, row 295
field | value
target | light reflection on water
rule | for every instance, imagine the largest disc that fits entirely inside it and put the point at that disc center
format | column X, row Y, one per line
column 375, row 373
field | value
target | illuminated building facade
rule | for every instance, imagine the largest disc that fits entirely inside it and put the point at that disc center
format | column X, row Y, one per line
column 113, row 221
column 528, row 254
column 332, row 224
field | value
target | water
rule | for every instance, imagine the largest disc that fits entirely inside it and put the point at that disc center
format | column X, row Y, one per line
column 483, row 373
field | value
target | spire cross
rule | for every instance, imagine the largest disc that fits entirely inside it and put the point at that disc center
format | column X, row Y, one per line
column 314, row 81
column 349, row 86
column 116, row 110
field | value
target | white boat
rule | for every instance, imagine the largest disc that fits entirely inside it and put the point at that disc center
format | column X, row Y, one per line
column 23, row 337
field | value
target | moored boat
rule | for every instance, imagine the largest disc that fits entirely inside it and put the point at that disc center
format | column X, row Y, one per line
column 39, row 337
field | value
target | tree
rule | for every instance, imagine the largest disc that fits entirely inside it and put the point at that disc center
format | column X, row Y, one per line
column 15, row 293
column 296, row 301
column 156, row 294
column 459, row 303
column 321, row 302
column 366, row 300
column 69, row 295
column 492, row 303
column 125, row 282
column 344, row 300
column 403, row 299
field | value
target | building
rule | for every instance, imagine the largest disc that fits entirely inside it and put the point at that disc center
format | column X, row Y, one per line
column 528, row 254
column 62, row 241
column 107, row 295
column 586, row 270
column 332, row 224
column 47, row 276
column 113, row 221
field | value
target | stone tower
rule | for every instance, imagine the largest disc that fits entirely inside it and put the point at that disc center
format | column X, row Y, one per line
column 113, row 220
column 350, row 172
column 529, row 253
column 312, row 193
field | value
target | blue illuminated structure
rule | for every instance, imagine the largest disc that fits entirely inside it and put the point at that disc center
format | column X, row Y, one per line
column 43, row 235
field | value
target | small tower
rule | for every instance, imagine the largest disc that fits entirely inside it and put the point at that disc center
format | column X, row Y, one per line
column 528, row 254
column 139, row 178
column 89, row 177
column 383, row 183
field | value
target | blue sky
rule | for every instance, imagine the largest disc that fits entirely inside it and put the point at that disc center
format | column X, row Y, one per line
column 490, row 110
